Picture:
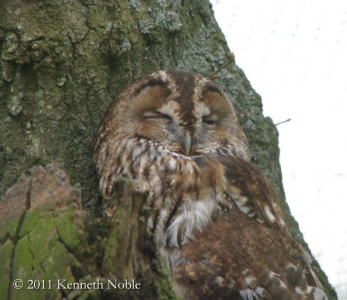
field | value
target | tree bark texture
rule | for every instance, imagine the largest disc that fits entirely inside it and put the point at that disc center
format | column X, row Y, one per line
column 49, row 242
column 62, row 62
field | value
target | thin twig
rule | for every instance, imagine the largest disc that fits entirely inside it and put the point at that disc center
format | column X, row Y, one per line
column 229, row 61
column 283, row 122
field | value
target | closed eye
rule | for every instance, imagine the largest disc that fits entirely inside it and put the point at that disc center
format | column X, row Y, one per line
column 209, row 120
column 153, row 115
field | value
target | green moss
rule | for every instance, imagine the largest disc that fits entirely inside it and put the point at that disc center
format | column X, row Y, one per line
column 40, row 255
column 5, row 268
column 47, row 264
column 163, row 283
column 9, row 228
column 71, row 232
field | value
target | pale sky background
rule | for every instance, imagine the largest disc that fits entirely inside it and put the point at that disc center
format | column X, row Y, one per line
column 295, row 55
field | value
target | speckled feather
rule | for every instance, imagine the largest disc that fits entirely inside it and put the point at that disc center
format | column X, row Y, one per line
column 217, row 220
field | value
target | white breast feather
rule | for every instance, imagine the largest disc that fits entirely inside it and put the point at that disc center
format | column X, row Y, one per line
column 195, row 215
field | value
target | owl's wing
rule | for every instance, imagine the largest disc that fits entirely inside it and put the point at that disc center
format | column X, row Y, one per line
column 254, row 196
column 251, row 192
column 249, row 262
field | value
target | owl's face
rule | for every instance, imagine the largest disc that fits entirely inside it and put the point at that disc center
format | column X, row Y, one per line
column 162, row 117
column 185, row 112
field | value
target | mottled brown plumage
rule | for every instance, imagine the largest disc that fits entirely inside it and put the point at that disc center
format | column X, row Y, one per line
column 176, row 136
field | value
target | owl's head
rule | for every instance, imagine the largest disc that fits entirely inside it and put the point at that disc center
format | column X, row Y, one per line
column 162, row 121
column 185, row 112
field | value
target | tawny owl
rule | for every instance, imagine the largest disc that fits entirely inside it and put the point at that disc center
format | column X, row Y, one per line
column 176, row 136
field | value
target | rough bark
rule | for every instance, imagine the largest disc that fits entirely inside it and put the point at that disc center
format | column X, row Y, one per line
column 49, row 242
column 61, row 64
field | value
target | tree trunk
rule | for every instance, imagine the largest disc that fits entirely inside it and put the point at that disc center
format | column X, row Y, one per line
column 49, row 243
column 61, row 64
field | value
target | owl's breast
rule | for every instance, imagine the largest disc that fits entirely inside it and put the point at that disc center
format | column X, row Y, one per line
column 189, row 221
column 191, row 218
column 186, row 195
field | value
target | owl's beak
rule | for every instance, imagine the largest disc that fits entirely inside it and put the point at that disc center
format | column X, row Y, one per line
column 187, row 143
